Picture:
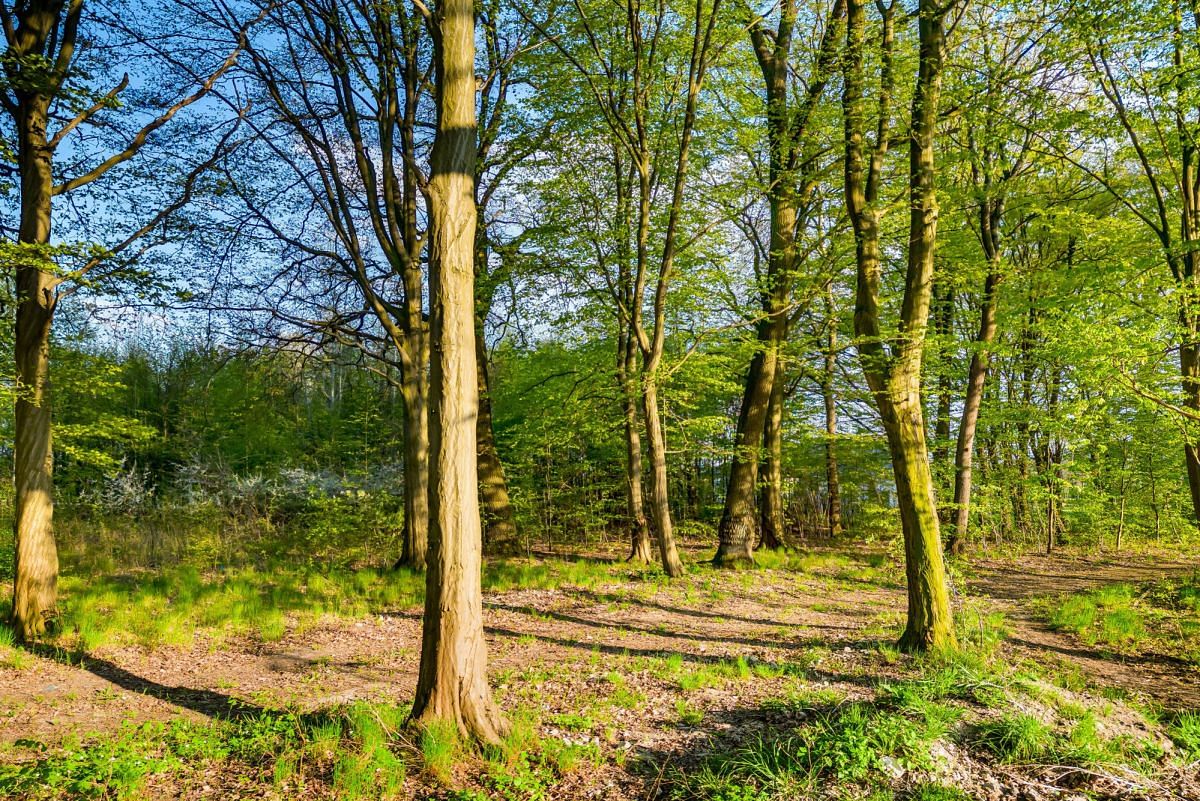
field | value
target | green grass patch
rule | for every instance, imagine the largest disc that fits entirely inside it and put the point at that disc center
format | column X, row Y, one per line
column 1162, row 616
column 353, row 748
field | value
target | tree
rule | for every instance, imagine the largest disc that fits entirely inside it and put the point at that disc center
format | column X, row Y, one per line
column 891, row 361
column 1141, row 57
column 998, row 144
column 790, row 180
column 500, row 151
column 452, row 682
column 645, row 38
column 45, row 84
column 340, row 86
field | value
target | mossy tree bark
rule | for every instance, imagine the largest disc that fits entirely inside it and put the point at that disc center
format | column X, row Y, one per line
column 452, row 681
column 833, row 484
column 892, row 363
column 787, row 134
column 771, row 494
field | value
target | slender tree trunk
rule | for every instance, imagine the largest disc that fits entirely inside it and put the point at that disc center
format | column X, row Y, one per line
column 452, row 680
column 976, row 380
column 500, row 530
column 772, row 487
column 832, row 480
column 944, row 321
column 786, row 131
column 1123, row 488
column 657, row 448
column 894, row 373
column 737, row 532
column 36, row 565
column 415, row 396
column 635, row 510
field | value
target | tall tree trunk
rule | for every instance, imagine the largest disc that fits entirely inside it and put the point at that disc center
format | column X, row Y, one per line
column 499, row 523
column 36, row 566
column 635, row 510
column 964, row 450
column 832, row 479
column 737, row 532
column 656, row 445
column 892, row 364
column 500, row 529
column 929, row 622
column 771, row 502
column 452, row 680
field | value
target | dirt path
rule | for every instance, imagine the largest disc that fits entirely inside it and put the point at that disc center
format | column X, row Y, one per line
column 1014, row 585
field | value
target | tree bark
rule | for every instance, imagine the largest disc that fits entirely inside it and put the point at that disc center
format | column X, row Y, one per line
column 964, row 450
column 452, row 680
column 1189, row 366
column 771, row 502
column 414, row 394
column 659, row 487
column 832, row 479
column 737, row 532
column 635, row 508
column 929, row 621
column 500, row 530
column 944, row 321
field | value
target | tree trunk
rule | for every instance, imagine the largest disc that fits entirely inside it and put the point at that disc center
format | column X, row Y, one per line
column 660, row 500
column 771, row 502
column 964, row 450
column 929, row 622
column 452, row 680
column 36, row 563
column 832, row 480
column 635, row 510
column 944, row 321
column 500, row 531
column 416, row 471
column 894, row 373
column 1189, row 363
column 737, row 534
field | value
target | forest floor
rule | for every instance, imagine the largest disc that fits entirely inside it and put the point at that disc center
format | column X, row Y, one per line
column 774, row 683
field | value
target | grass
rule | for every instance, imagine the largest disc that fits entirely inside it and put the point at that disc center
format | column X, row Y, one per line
column 1184, row 731
column 172, row 606
column 1163, row 616
column 360, row 752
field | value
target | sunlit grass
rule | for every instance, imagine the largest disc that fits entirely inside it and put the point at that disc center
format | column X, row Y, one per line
column 171, row 606
column 1162, row 616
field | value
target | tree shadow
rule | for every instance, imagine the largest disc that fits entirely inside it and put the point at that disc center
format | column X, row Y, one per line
column 615, row 598
column 209, row 703
column 701, row 660
column 786, row 643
